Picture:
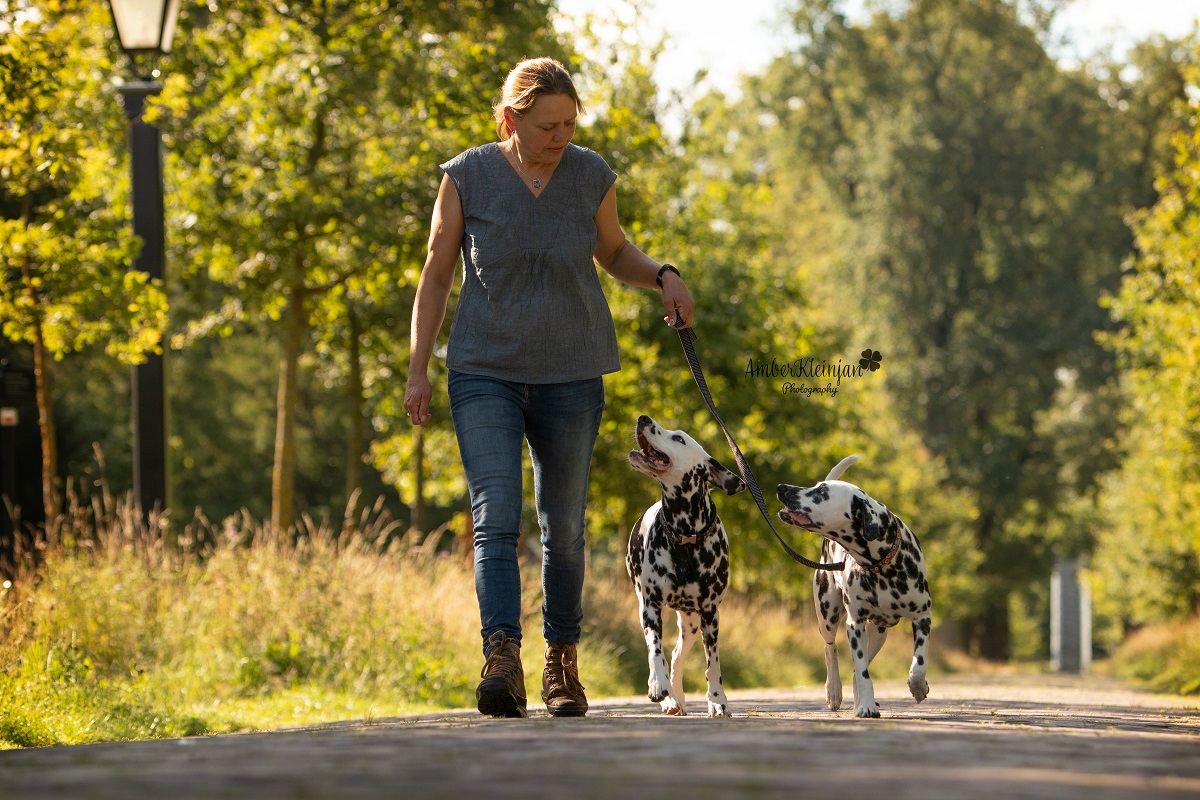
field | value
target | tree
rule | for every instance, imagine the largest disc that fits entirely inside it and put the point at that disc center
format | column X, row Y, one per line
column 978, row 197
column 1149, row 556
column 306, row 164
column 64, row 241
column 706, row 201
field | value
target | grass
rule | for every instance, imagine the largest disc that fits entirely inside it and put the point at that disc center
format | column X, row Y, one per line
column 120, row 635
column 1163, row 658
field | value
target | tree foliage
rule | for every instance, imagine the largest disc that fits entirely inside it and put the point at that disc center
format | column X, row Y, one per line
column 305, row 170
column 700, row 201
column 1149, row 557
column 65, row 244
column 977, row 188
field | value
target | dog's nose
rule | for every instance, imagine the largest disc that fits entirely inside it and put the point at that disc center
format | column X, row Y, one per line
column 643, row 420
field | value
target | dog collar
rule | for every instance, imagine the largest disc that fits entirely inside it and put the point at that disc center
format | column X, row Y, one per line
column 691, row 538
column 883, row 562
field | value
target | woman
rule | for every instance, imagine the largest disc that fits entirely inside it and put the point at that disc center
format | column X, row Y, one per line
column 531, row 337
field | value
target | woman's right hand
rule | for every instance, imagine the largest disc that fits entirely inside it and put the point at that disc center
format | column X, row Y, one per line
column 417, row 394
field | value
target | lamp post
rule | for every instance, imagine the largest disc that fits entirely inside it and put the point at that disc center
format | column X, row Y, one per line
column 145, row 29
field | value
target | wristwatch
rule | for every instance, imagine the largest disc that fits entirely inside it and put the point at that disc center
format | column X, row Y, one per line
column 661, row 270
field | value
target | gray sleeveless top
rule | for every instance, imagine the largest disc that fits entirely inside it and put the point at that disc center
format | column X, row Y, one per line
column 531, row 309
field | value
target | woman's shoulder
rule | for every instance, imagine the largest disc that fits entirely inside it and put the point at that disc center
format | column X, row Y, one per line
column 589, row 158
column 591, row 167
column 474, row 155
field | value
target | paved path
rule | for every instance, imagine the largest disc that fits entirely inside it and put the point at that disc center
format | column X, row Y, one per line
column 977, row 738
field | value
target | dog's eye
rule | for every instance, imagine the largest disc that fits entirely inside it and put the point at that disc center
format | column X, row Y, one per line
column 678, row 438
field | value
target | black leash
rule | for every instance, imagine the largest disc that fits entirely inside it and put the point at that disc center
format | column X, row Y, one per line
column 686, row 337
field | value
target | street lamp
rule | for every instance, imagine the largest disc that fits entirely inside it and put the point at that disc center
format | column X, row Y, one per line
column 145, row 28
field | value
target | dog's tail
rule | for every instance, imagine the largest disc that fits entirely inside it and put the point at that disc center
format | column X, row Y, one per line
column 841, row 467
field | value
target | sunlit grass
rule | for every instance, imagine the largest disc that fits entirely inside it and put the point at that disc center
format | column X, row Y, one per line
column 1164, row 658
column 120, row 635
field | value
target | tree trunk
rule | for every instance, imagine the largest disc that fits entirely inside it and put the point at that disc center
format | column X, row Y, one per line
column 283, row 477
column 987, row 633
column 46, row 426
column 990, row 630
column 354, row 407
column 42, row 379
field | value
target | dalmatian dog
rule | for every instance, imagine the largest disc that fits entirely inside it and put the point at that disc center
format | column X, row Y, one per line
column 882, row 581
column 678, row 558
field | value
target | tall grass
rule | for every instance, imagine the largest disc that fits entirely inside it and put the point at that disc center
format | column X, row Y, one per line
column 125, row 633
column 1164, row 658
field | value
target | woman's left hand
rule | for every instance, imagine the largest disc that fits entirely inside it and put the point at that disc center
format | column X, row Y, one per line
column 677, row 300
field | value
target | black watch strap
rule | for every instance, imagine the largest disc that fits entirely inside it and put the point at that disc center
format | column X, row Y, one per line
column 661, row 270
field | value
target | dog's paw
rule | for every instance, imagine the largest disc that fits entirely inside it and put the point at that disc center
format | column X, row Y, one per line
column 718, row 703
column 833, row 695
column 919, row 688
column 867, row 712
column 656, row 690
column 672, row 708
column 718, row 709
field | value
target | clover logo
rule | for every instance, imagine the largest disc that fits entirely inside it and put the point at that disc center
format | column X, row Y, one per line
column 870, row 359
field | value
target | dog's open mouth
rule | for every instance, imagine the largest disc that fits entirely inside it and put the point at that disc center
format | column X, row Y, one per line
column 656, row 460
column 796, row 518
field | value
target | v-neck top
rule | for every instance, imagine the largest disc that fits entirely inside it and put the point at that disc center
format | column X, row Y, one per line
column 531, row 308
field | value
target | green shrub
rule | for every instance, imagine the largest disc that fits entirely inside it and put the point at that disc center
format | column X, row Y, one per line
column 1164, row 658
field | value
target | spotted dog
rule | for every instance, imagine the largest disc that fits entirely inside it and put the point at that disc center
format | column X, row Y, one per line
column 679, row 558
column 883, row 580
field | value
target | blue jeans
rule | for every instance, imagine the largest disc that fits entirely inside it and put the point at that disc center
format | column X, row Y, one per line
column 561, row 422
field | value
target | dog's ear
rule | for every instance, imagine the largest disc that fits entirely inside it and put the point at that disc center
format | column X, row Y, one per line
column 862, row 521
column 881, row 525
column 724, row 479
column 890, row 522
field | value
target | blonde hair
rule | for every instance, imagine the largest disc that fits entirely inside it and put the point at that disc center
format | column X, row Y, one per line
column 529, row 80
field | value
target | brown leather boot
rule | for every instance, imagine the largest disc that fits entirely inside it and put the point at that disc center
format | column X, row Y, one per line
column 501, row 693
column 561, row 690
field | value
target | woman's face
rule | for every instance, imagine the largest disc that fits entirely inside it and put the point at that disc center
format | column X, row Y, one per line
column 544, row 131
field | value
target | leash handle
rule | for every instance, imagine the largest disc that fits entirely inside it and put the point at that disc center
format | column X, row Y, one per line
column 687, row 338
